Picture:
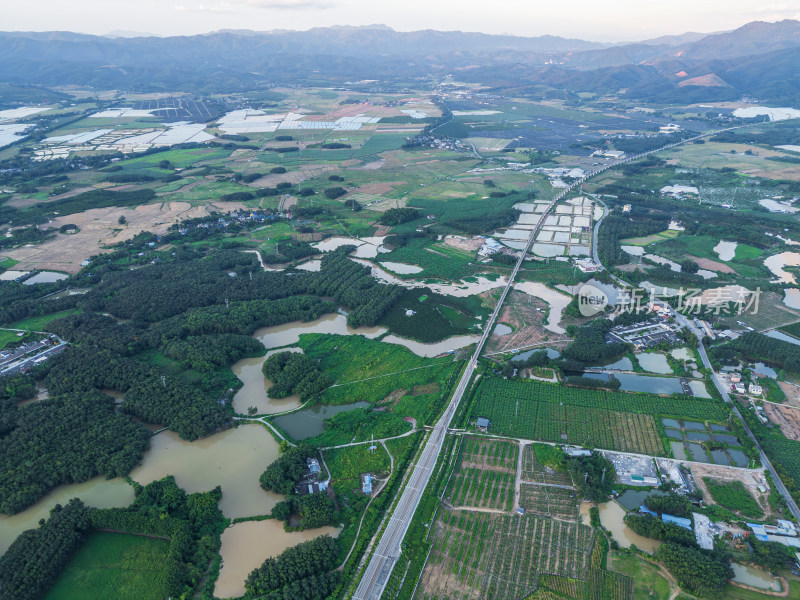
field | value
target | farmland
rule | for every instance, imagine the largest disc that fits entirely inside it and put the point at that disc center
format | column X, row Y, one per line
column 484, row 476
column 534, row 471
column 592, row 418
column 549, row 501
column 480, row 555
column 122, row 566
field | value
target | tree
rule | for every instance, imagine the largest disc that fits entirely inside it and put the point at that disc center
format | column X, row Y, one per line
column 122, row 220
column 165, row 164
column 593, row 476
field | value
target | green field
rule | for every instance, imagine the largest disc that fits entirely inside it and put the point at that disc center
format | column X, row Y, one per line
column 648, row 581
column 40, row 323
column 592, row 418
column 114, row 565
column 734, row 496
column 381, row 374
column 349, row 463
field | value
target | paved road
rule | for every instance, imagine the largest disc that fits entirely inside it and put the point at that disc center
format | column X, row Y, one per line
column 389, row 548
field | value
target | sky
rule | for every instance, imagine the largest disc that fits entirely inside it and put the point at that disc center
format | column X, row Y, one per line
column 599, row 20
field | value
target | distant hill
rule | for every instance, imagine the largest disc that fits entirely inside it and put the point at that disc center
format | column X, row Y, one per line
column 758, row 59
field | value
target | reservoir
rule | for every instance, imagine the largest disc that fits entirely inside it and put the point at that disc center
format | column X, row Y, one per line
column 233, row 459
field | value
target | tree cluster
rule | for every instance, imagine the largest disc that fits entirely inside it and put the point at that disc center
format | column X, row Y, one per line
column 66, row 439
column 282, row 475
column 398, row 216
column 593, row 476
column 301, row 572
column 293, row 373
column 703, row 573
column 654, row 528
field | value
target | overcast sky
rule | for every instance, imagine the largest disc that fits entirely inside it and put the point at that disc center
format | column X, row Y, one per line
column 602, row 20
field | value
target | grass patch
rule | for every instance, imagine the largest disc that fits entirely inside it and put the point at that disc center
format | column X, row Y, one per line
column 40, row 323
column 7, row 263
column 350, row 463
column 667, row 234
column 743, row 252
column 114, row 565
column 734, row 496
column 9, row 337
column 648, row 582
column 369, row 370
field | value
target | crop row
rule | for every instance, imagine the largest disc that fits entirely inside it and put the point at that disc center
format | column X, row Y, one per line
column 490, row 453
column 482, row 489
column 549, row 501
column 533, row 470
column 477, row 555
column 593, row 418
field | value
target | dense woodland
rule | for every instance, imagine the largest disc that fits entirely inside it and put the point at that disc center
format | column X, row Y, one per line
column 703, row 573
column 69, row 438
column 653, row 527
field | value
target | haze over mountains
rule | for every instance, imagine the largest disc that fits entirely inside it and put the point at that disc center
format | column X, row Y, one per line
column 759, row 59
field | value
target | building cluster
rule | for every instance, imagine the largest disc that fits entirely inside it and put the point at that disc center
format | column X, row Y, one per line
column 442, row 143
column 785, row 532
column 310, row 483
column 29, row 355
column 645, row 335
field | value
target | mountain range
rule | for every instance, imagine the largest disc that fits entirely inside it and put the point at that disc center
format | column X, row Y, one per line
column 759, row 59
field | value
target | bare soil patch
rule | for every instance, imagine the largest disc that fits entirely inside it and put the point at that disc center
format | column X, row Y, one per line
column 792, row 393
column 99, row 228
column 466, row 244
column 711, row 265
column 785, row 417
column 528, row 324
column 379, row 188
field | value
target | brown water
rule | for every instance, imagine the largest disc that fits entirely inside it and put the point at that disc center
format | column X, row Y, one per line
column 246, row 545
column 611, row 515
column 429, row 350
column 289, row 333
column 557, row 301
column 233, row 459
column 254, row 390
column 99, row 492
